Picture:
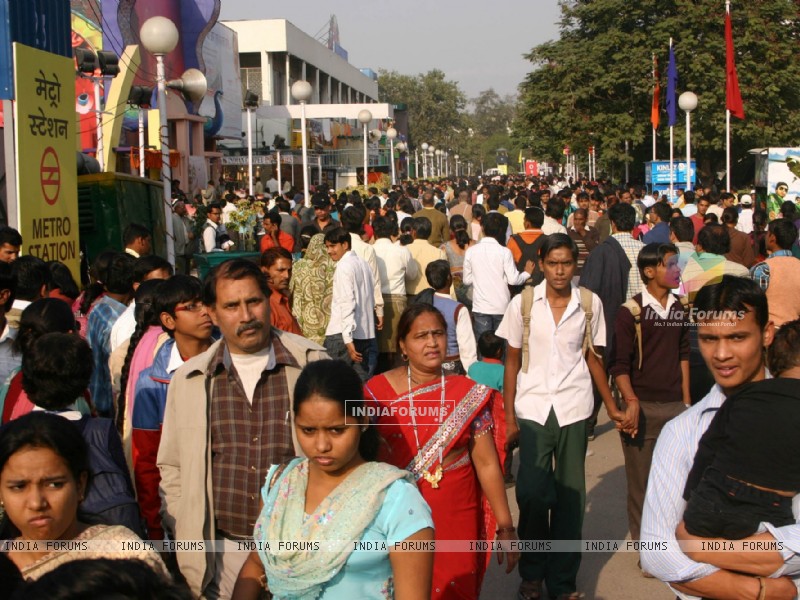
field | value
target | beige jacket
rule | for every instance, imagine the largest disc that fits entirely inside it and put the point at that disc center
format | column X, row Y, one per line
column 184, row 455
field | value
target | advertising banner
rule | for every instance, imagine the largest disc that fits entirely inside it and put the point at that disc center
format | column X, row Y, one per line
column 47, row 186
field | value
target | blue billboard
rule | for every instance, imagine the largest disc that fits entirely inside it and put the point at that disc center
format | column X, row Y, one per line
column 656, row 172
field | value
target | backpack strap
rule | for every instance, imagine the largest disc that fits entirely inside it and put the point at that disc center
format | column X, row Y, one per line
column 586, row 305
column 527, row 305
column 636, row 312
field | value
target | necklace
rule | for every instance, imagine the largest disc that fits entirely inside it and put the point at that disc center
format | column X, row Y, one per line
column 435, row 477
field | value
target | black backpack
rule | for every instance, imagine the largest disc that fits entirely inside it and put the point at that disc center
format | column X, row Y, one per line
column 530, row 251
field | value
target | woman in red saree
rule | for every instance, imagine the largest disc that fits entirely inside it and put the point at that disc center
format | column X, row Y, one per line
column 456, row 461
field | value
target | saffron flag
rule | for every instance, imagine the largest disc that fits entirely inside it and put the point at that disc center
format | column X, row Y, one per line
column 672, row 84
column 655, row 111
column 733, row 97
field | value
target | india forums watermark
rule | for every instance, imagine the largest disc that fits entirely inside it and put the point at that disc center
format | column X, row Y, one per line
column 402, row 412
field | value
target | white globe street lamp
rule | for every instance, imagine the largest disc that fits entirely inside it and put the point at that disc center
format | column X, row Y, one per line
column 159, row 36
column 438, row 154
column 455, row 156
column 391, row 133
column 687, row 102
column 365, row 118
column 301, row 91
column 424, row 147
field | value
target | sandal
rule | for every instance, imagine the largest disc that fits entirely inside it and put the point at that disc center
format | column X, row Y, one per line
column 530, row 590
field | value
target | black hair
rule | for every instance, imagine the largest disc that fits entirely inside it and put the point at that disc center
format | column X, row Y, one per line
column 270, row 256
column 788, row 209
column 785, row 233
column 652, row 255
column 273, row 217
column 175, row 291
column 521, row 202
column 32, row 275
column 495, row 226
column 422, row 228
column 406, row 228
column 458, row 225
column 688, row 197
column 478, row 212
column 733, row 294
column 535, row 216
column 555, row 241
column 714, row 239
column 134, row 231
column 10, row 236
column 8, row 282
column 306, row 233
column 490, row 345
column 40, row 429
column 99, row 273
column 56, row 370
column 352, row 218
column 337, row 381
column 438, row 274
column 338, row 235
column 784, row 351
column 683, row 228
column 384, row 227
column 710, row 218
column 146, row 315
column 120, row 273
column 61, row 279
column 45, row 315
column 235, row 269
column 623, row 216
column 410, row 314
column 120, row 579
column 555, row 208
column 662, row 210
column 147, row 264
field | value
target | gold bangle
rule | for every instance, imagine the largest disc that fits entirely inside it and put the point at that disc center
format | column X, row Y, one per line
column 762, row 591
column 511, row 529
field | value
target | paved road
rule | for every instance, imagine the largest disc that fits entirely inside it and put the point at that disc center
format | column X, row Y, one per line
column 603, row 576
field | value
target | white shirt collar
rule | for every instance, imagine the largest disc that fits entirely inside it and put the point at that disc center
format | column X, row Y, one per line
column 21, row 304
column 649, row 300
column 70, row 413
column 175, row 359
column 9, row 334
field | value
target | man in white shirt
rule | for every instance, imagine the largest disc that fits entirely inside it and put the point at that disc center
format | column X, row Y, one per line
column 745, row 223
column 353, row 221
column 553, row 215
column 548, row 398
column 396, row 268
column 489, row 268
column 272, row 185
column 211, row 228
column 350, row 335
column 733, row 348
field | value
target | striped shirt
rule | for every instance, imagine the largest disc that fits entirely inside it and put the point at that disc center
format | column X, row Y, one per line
column 631, row 248
column 664, row 504
column 760, row 272
column 104, row 314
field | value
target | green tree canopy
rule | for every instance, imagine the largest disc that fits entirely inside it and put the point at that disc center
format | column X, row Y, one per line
column 594, row 85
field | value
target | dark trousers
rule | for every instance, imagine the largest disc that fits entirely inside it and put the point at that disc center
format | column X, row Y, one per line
column 638, row 453
column 551, row 494
column 334, row 344
column 482, row 322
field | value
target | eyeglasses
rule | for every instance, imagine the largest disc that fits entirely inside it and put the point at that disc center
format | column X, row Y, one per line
column 193, row 307
column 785, row 189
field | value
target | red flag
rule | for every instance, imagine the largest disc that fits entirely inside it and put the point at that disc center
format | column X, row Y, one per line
column 655, row 111
column 733, row 100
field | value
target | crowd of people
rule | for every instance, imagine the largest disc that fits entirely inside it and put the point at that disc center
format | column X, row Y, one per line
column 288, row 398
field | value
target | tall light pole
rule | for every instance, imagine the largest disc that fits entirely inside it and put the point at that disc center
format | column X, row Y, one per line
column 301, row 91
column 438, row 158
column 159, row 36
column 455, row 156
column 687, row 101
column 250, row 102
column 365, row 118
column 432, row 150
column 424, row 147
column 416, row 164
column 391, row 134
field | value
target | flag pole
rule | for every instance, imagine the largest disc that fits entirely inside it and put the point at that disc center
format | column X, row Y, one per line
column 727, row 128
column 671, row 153
column 654, row 127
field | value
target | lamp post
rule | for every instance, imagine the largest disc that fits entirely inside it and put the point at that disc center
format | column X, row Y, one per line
column 432, row 150
column 438, row 163
column 250, row 102
column 416, row 164
column 365, row 117
column 402, row 147
column 391, row 133
column 455, row 156
column 301, row 91
column 687, row 101
column 159, row 36
column 424, row 147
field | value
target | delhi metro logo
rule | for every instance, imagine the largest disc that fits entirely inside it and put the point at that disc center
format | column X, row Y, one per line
column 50, row 175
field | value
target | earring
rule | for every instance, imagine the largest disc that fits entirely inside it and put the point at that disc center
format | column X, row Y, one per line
column 404, row 356
column 363, row 428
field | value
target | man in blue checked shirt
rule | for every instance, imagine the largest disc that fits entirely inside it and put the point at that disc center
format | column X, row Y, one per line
column 732, row 335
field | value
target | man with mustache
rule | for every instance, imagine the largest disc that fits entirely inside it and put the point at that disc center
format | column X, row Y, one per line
column 228, row 418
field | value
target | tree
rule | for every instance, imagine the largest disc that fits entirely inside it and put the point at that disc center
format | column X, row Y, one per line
column 435, row 104
column 593, row 86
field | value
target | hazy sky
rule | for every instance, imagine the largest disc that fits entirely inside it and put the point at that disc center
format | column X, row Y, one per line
column 478, row 44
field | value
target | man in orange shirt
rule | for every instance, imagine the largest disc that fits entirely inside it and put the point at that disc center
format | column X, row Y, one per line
column 273, row 236
column 276, row 264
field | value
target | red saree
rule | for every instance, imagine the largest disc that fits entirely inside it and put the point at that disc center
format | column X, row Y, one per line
column 460, row 511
